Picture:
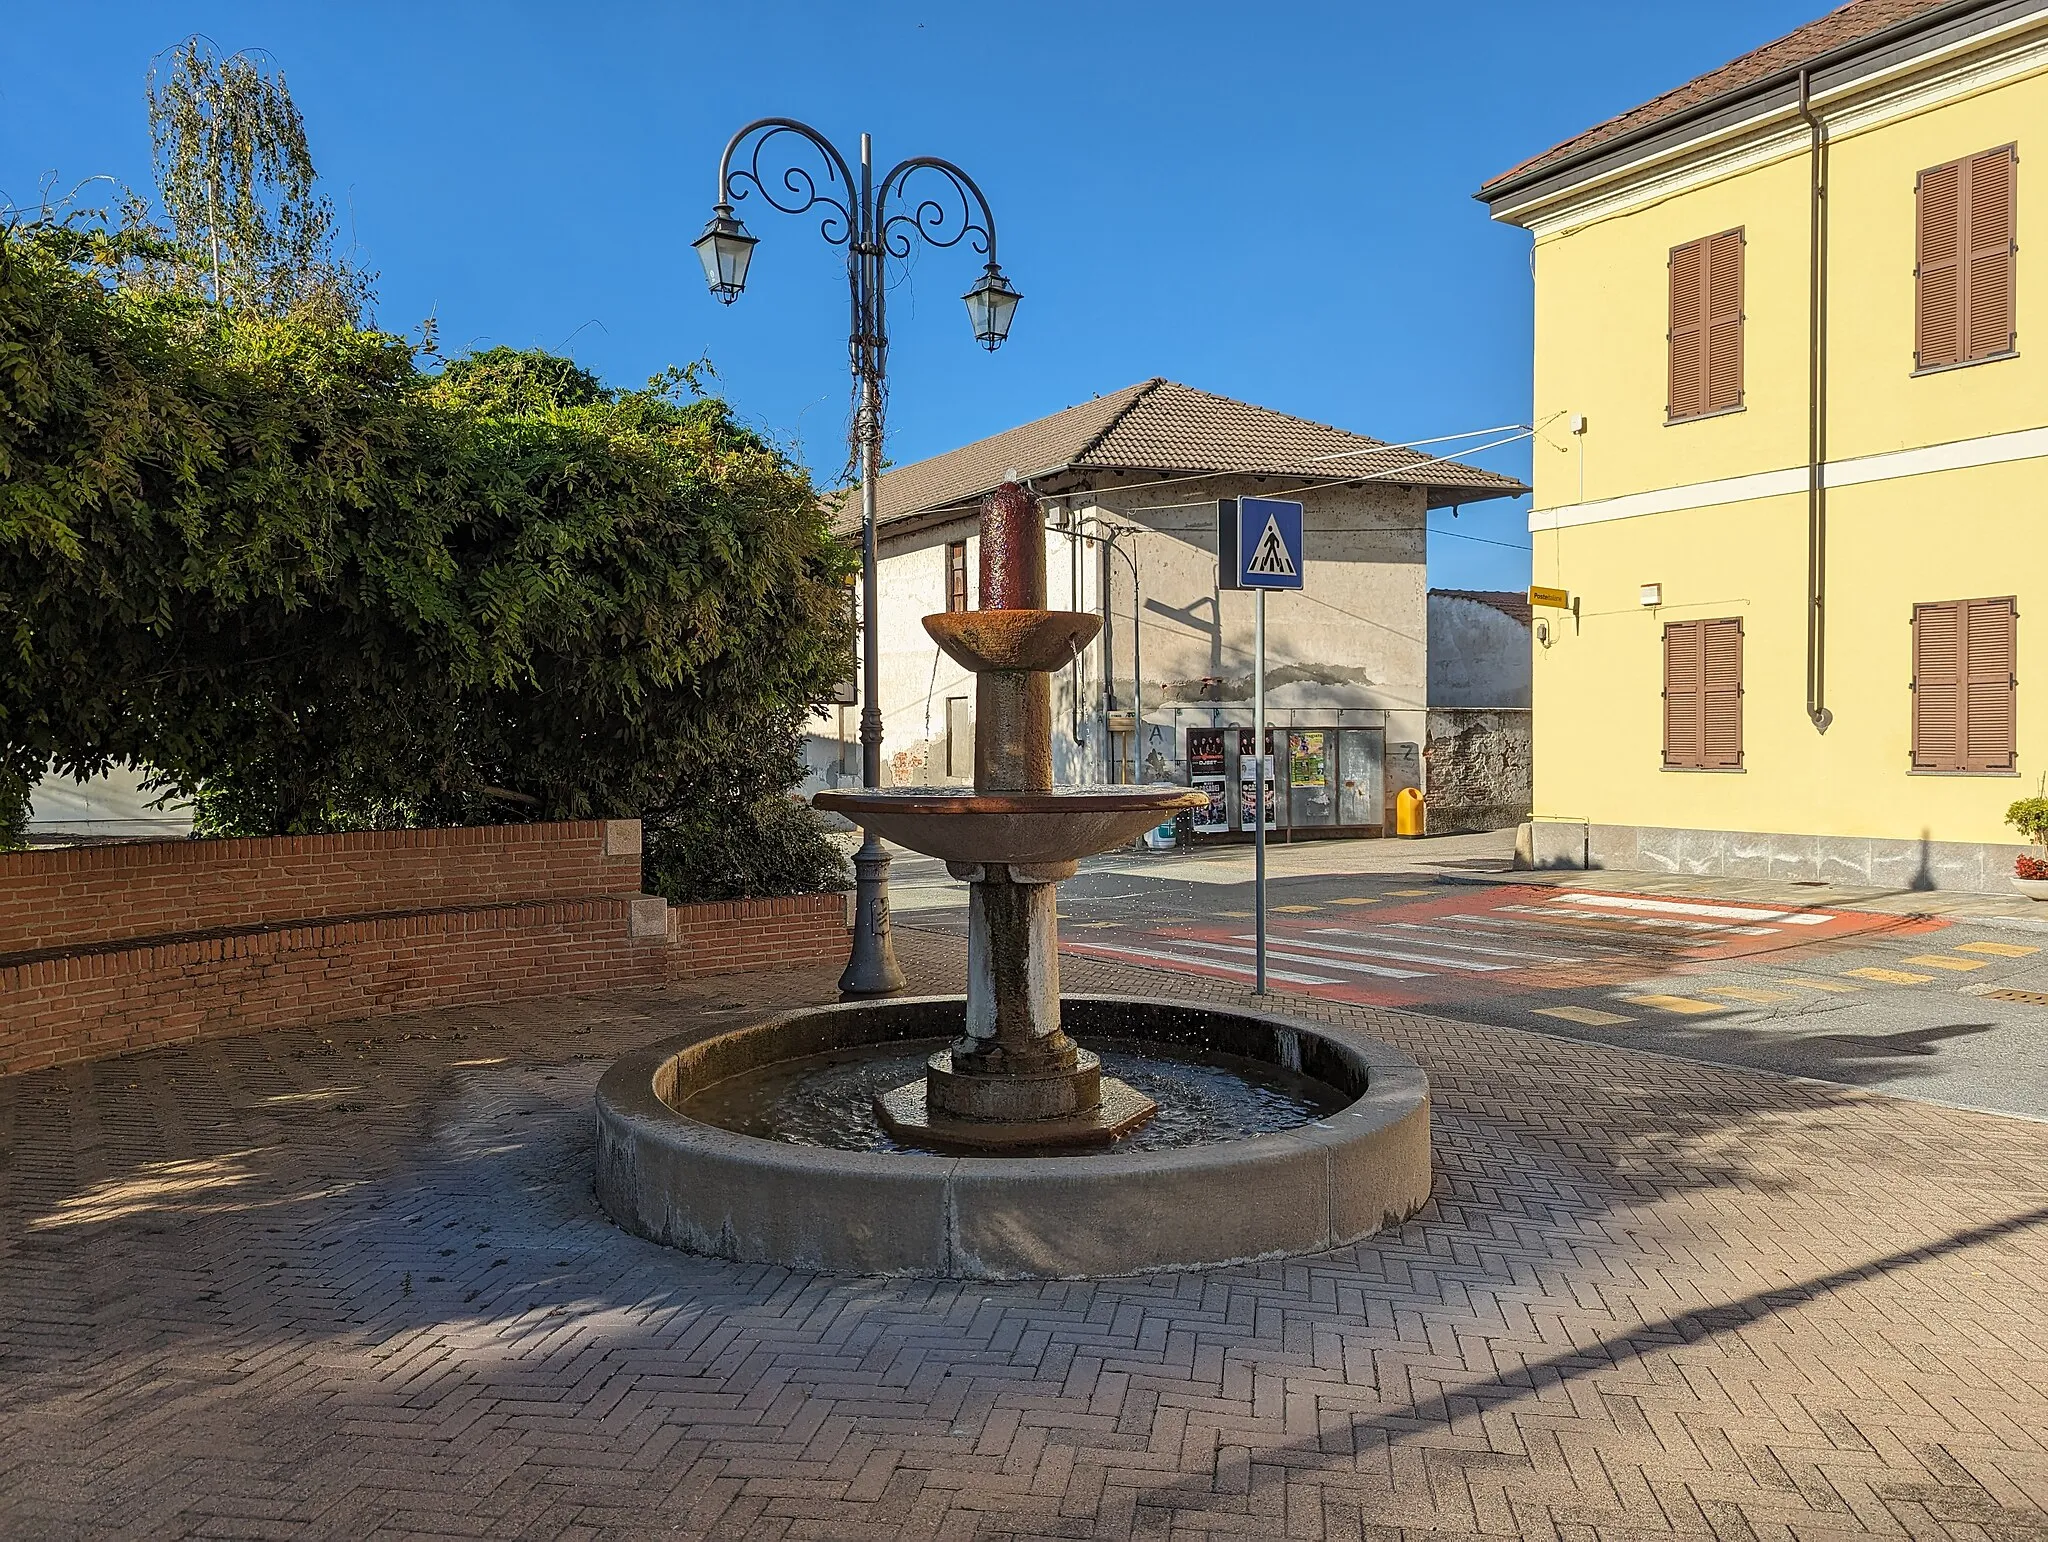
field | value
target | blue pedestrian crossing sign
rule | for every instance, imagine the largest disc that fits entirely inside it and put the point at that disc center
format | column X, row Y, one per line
column 1258, row 543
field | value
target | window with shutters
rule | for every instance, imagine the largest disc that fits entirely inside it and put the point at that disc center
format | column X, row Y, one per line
column 1703, row 695
column 956, row 575
column 1965, row 690
column 1705, row 339
column 1963, row 283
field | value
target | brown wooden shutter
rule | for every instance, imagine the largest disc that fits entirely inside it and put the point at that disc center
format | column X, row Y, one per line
column 1703, row 695
column 1720, row 694
column 1688, row 330
column 1682, row 695
column 1723, row 383
column 1706, row 326
column 1937, row 687
column 1988, row 298
column 956, row 575
column 1990, row 655
column 1938, row 320
column 1964, row 305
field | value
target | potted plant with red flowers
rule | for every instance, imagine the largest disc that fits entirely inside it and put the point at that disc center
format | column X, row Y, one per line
column 2030, row 871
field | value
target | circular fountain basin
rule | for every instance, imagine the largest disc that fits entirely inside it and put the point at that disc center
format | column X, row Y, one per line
column 1017, row 828
column 1326, row 1182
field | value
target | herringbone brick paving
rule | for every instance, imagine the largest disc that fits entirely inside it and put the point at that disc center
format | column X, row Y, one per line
column 352, row 1283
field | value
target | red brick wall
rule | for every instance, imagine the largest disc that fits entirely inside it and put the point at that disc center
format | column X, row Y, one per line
column 89, row 894
column 110, row 949
column 83, row 1006
column 735, row 936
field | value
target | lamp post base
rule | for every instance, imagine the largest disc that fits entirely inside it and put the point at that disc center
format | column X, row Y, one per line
column 871, row 969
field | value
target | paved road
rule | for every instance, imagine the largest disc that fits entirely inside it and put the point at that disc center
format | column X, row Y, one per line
column 1951, row 1009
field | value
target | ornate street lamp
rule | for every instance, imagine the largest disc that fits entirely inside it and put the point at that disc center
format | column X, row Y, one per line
column 874, row 223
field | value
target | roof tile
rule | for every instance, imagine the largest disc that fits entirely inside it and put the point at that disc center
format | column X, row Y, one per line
column 1847, row 24
column 1161, row 426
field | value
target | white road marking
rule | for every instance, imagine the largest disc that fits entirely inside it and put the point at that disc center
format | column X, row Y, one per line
column 1159, row 956
column 1436, row 941
column 1690, row 908
column 1658, row 923
column 1385, row 972
column 1470, row 965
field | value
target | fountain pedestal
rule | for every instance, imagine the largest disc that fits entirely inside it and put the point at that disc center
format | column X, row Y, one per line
column 1013, row 1080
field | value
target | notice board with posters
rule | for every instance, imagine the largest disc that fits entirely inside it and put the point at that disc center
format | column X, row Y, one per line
column 1206, row 775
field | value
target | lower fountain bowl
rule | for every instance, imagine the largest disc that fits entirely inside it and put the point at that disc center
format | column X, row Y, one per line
column 1025, row 829
column 1325, row 1183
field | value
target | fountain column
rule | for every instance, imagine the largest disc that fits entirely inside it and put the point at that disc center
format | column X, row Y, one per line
column 1013, row 970
column 1012, row 1080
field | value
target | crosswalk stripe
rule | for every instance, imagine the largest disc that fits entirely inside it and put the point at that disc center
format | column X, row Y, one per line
column 1295, row 910
column 1683, row 1004
column 1998, row 949
column 1355, row 901
column 1385, row 972
column 1222, row 966
column 1890, row 976
column 1690, row 908
column 1469, row 965
column 1944, row 961
column 1655, row 923
column 1411, row 893
column 1833, row 986
column 1588, row 1016
column 1514, row 927
column 1437, row 941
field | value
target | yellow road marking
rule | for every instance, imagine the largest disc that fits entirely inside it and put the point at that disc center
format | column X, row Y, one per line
column 1942, row 961
column 1235, row 915
column 1743, row 993
column 1997, row 949
column 1375, row 902
column 1822, row 985
column 1295, row 910
column 1890, row 976
column 1586, row 1015
column 1411, row 893
column 1684, row 1004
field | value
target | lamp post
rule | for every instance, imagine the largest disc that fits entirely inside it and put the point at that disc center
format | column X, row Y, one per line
column 874, row 223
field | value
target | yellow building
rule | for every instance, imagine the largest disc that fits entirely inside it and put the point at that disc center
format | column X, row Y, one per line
column 1791, row 467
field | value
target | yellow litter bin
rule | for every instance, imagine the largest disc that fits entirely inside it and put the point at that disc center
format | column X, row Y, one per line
column 1408, row 811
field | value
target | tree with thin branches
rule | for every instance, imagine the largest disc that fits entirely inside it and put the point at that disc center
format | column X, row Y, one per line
column 239, row 189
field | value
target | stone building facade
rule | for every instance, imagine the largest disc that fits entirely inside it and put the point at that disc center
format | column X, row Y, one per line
column 1128, row 485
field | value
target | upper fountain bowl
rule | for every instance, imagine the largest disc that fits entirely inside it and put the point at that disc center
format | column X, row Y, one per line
column 1024, row 829
column 1030, row 640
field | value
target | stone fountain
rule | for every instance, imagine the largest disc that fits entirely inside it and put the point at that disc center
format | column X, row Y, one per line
column 1014, row 1079
column 1023, row 1159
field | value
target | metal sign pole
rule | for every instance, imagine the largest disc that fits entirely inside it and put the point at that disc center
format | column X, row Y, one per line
column 1259, row 788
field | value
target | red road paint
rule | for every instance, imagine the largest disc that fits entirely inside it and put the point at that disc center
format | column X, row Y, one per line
column 1471, row 942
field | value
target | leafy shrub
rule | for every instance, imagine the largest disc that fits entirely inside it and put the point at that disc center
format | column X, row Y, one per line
column 319, row 588
column 2030, row 867
column 2029, row 816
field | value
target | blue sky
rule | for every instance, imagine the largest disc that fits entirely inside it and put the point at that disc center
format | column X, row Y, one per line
column 1271, row 202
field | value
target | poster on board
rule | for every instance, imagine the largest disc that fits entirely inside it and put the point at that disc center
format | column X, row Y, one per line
column 1307, row 759
column 1213, row 818
column 1248, row 800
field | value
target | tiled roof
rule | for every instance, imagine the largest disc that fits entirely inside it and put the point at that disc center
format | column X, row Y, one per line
column 1162, row 427
column 1512, row 603
column 1848, row 24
